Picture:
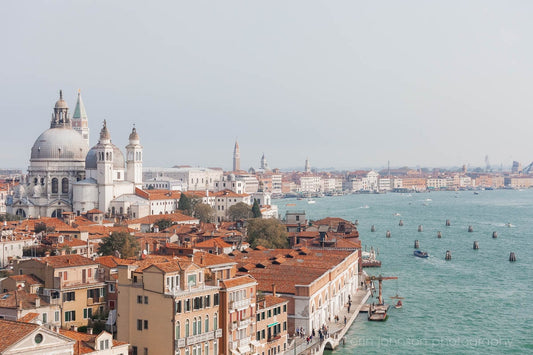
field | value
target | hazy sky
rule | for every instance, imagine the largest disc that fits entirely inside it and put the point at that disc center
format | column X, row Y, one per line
column 349, row 84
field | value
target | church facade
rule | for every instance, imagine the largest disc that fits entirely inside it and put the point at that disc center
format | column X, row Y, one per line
column 66, row 176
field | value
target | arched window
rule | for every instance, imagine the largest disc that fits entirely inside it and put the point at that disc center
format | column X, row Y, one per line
column 194, row 326
column 64, row 185
column 206, row 349
column 199, row 325
column 215, row 321
column 20, row 212
column 54, row 185
column 206, row 324
column 113, row 210
column 57, row 213
column 186, row 351
column 178, row 330
column 187, row 328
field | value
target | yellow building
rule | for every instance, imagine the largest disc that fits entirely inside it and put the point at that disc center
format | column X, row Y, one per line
column 168, row 308
column 271, row 319
column 72, row 281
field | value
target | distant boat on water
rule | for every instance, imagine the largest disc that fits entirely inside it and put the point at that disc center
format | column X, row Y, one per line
column 311, row 201
column 420, row 254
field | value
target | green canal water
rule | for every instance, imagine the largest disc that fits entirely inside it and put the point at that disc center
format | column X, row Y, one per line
column 476, row 303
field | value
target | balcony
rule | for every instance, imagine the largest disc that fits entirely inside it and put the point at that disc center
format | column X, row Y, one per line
column 200, row 338
column 179, row 343
column 243, row 323
column 91, row 301
column 244, row 342
column 239, row 304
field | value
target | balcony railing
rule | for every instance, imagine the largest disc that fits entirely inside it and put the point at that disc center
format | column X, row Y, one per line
column 179, row 343
column 239, row 304
column 200, row 338
column 240, row 342
column 245, row 322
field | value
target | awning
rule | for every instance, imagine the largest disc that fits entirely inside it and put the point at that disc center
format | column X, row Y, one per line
column 273, row 324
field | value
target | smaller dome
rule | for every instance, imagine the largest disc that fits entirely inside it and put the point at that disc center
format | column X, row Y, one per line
column 118, row 158
column 61, row 103
column 134, row 136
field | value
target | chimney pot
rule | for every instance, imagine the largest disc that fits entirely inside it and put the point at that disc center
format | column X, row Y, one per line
column 89, row 330
column 274, row 290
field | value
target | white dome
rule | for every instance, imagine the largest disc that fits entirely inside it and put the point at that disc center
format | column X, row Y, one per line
column 118, row 158
column 59, row 144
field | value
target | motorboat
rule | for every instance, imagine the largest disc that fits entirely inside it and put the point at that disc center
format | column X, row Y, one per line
column 420, row 254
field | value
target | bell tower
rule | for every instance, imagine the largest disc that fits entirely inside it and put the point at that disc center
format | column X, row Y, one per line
column 104, row 167
column 60, row 118
column 134, row 151
column 79, row 119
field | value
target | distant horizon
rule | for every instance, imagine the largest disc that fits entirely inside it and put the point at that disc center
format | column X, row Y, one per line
column 347, row 84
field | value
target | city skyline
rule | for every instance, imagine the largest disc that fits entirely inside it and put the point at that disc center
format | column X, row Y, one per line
column 347, row 85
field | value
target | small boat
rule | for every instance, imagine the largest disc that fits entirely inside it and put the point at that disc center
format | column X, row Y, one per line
column 396, row 214
column 398, row 304
column 311, row 201
column 420, row 254
column 476, row 193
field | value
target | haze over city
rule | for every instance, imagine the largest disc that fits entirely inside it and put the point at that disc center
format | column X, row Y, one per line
column 349, row 84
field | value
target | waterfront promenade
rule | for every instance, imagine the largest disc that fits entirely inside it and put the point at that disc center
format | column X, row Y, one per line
column 336, row 329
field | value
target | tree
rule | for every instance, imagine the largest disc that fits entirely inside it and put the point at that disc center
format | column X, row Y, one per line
column 122, row 242
column 270, row 233
column 163, row 223
column 204, row 213
column 256, row 210
column 184, row 204
column 239, row 211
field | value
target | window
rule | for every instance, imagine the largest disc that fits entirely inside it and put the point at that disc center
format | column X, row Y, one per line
column 206, row 324
column 194, row 326
column 284, row 325
column 284, row 308
column 215, row 322
column 207, row 301
column 145, row 299
column 215, row 299
column 55, row 184
column 87, row 313
column 187, row 328
column 139, row 324
column 145, row 351
column 178, row 307
column 262, row 315
column 65, row 275
column 111, row 288
column 56, row 316
column 187, row 305
column 178, row 330
column 191, row 280
column 69, row 296
column 145, row 324
column 70, row 316
column 199, row 325
column 258, row 335
column 64, row 186
column 134, row 350
column 45, row 318
column 269, row 313
column 140, row 299
column 206, row 349
column 258, row 317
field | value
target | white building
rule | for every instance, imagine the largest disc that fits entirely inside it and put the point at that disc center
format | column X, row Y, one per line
column 191, row 178
column 310, row 184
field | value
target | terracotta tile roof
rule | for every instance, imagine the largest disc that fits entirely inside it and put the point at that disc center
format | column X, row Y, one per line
column 302, row 269
column 29, row 318
column 206, row 259
column 13, row 299
column 213, row 243
column 94, row 211
column 171, row 266
column 238, row 281
column 84, row 342
column 13, row 332
column 158, row 194
column 174, row 217
column 66, row 260
column 268, row 301
column 28, row 279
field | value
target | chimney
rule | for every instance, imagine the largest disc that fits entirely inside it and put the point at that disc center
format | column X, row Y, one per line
column 74, row 328
column 274, row 290
column 90, row 331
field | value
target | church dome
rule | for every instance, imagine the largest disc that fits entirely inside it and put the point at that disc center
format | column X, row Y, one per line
column 118, row 158
column 59, row 144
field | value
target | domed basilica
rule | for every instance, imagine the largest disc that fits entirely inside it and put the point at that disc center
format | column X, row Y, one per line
column 66, row 176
